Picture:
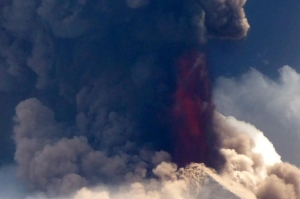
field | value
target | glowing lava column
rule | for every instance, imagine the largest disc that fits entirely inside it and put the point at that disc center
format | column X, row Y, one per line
column 192, row 110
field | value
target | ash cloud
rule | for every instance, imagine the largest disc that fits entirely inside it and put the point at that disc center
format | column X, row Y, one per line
column 91, row 83
column 256, row 176
column 61, row 165
column 271, row 105
column 226, row 19
column 250, row 167
column 233, row 96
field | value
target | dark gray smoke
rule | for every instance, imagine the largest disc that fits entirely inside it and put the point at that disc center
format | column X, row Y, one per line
column 91, row 80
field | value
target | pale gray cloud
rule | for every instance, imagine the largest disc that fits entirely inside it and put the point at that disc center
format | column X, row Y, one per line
column 273, row 106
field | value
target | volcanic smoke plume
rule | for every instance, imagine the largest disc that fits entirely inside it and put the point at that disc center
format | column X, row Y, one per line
column 114, row 93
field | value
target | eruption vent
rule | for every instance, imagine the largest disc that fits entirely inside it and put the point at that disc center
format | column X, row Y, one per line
column 205, row 183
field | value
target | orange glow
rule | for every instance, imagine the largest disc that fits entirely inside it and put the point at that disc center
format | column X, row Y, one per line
column 192, row 109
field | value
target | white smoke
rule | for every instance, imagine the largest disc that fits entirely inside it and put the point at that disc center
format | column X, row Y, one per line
column 266, row 177
column 262, row 145
column 270, row 105
column 273, row 106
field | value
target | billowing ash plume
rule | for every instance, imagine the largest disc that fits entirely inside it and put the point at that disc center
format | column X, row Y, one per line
column 93, row 87
column 247, row 173
column 276, row 110
column 92, row 83
column 281, row 179
column 267, row 177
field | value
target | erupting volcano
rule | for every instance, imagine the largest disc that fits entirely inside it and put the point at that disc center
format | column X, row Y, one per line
column 192, row 110
column 113, row 100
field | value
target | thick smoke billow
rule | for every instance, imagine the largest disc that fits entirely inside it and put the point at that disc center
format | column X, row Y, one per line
column 273, row 179
column 265, row 175
column 225, row 19
column 91, row 84
column 62, row 165
column 276, row 111
column 89, row 88
column 248, row 172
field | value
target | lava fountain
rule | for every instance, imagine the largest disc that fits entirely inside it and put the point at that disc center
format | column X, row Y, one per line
column 192, row 111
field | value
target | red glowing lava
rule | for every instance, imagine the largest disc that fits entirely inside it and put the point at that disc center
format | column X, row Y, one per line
column 192, row 109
